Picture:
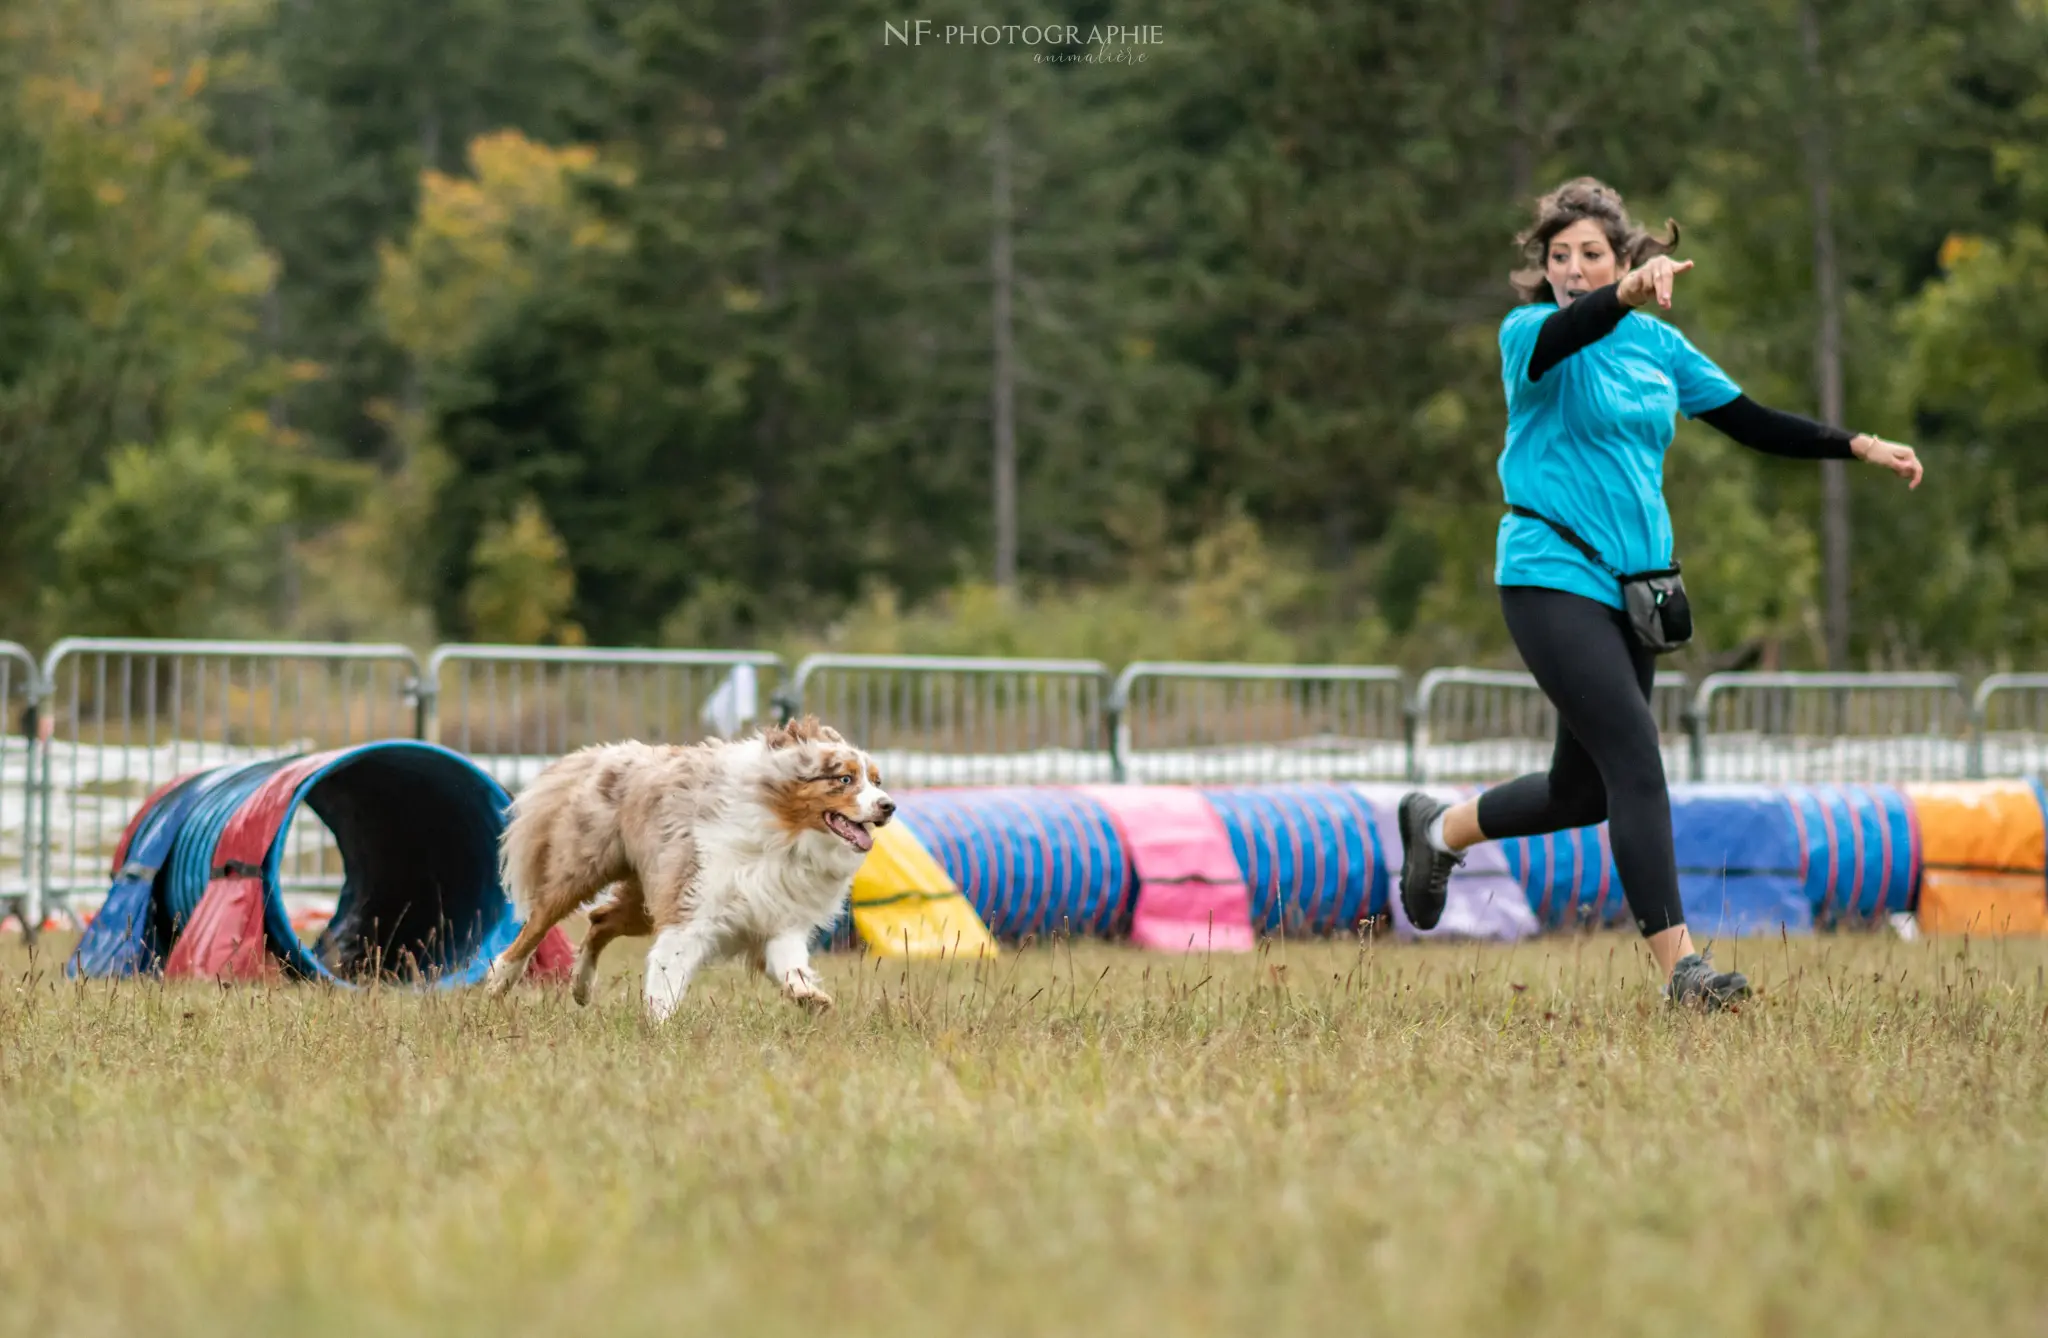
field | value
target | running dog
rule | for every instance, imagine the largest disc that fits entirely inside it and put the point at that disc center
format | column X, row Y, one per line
column 717, row 849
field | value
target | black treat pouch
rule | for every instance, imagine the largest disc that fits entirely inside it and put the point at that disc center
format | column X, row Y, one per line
column 1658, row 612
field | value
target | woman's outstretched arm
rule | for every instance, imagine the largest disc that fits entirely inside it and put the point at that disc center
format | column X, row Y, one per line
column 1775, row 432
column 1565, row 331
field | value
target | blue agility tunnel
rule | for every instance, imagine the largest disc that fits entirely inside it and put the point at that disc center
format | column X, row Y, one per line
column 416, row 827
column 129, row 935
column 1310, row 854
column 1741, row 861
column 1742, row 866
column 1031, row 861
column 164, row 871
column 1569, row 877
column 1862, row 847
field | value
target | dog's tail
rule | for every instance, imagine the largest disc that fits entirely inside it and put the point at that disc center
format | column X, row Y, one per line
column 531, row 837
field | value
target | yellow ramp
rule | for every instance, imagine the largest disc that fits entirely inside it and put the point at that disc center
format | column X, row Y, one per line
column 904, row 905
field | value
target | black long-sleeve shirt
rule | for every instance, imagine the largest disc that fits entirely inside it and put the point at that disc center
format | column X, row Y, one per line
column 1593, row 317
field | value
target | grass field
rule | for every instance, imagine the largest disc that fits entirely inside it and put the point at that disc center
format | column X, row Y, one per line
column 1324, row 1139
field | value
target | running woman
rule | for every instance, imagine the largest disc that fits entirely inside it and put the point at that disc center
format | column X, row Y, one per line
column 1593, row 391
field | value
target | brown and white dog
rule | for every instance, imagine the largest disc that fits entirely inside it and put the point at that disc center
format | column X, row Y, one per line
column 717, row 849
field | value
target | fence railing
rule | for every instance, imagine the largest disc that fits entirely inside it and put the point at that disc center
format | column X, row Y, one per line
column 514, row 709
column 944, row 720
column 2009, row 726
column 100, row 724
column 127, row 716
column 1764, row 727
column 1181, row 723
column 19, row 848
column 1479, row 725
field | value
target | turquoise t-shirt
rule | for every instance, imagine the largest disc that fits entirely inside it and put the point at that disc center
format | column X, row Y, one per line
column 1585, row 446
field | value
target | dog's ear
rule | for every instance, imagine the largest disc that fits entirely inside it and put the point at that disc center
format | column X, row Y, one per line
column 802, row 730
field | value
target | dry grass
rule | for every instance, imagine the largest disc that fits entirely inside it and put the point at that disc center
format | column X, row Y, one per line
column 1326, row 1139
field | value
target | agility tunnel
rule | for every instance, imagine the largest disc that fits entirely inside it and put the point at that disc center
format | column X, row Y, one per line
column 149, row 905
column 195, row 887
column 1569, row 877
column 1323, row 858
column 198, row 889
column 1862, row 846
column 1751, row 860
column 1984, row 853
column 1191, row 894
column 1485, row 900
column 1032, row 861
column 904, row 904
column 128, row 935
column 1311, row 855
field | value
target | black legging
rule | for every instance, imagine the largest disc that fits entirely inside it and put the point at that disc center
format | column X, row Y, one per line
column 1607, row 763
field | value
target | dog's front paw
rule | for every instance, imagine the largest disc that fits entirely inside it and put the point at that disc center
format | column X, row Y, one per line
column 502, row 976
column 802, row 986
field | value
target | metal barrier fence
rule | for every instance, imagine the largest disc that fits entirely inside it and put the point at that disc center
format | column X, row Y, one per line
column 942, row 720
column 1763, row 727
column 514, row 709
column 127, row 716
column 101, row 724
column 19, row 690
column 1479, row 725
column 1178, row 723
column 2009, row 726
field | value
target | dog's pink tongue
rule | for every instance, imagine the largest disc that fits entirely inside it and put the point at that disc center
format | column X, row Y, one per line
column 863, row 839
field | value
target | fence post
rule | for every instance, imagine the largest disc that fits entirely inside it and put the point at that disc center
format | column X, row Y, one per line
column 17, row 666
column 1418, row 729
column 1696, row 731
column 1975, row 767
column 35, row 866
column 1115, row 720
column 425, row 693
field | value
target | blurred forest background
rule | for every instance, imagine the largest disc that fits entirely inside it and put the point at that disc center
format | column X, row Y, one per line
column 733, row 322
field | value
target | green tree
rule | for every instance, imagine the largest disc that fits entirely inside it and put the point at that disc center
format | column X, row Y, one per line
column 520, row 586
column 339, row 111
column 182, row 539
column 1977, row 344
column 127, row 295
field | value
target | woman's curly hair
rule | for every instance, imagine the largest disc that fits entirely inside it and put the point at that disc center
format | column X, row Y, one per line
column 1583, row 198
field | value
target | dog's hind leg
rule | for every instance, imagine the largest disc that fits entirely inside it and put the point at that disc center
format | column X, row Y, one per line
column 787, row 960
column 555, row 870
column 624, row 915
column 510, row 967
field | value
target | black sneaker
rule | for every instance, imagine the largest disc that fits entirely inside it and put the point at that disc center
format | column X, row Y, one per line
column 1696, row 984
column 1425, row 870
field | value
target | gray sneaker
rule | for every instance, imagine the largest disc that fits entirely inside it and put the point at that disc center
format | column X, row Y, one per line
column 1695, row 983
column 1425, row 870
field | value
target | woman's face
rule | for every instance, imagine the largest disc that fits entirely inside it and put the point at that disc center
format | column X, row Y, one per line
column 1579, row 261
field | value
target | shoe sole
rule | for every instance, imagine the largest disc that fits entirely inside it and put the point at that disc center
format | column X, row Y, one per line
column 1415, row 844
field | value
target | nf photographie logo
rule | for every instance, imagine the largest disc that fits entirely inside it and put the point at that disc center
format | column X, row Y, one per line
column 918, row 32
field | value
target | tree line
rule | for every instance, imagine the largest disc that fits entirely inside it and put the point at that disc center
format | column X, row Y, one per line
column 750, row 323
